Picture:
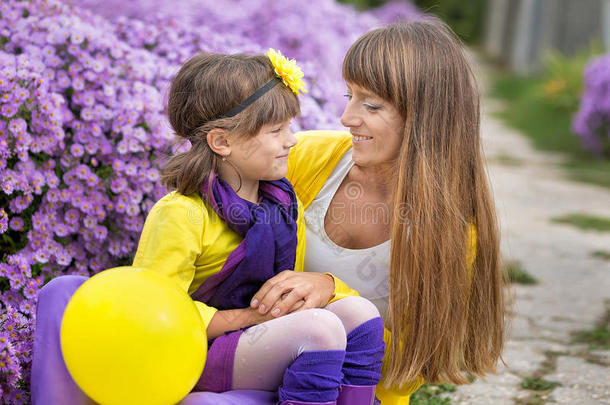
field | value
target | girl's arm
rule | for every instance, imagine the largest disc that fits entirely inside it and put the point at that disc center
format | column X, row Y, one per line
column 234, row 319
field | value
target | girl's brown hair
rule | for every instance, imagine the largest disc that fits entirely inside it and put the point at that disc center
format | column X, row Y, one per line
column 446, row 313
column 207, row 86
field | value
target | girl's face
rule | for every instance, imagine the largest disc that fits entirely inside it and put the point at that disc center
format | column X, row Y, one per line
column 376, row 127
column 264, row 156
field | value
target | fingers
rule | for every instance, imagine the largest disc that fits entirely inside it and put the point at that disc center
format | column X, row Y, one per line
column 307, row 304
column 261, row 297
column 296, row 307
column 281, row 293
column 287, row 303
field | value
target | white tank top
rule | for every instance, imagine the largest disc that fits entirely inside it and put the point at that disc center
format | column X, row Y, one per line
column 365, row 270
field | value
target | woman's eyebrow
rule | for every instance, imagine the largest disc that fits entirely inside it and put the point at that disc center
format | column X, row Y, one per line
column 365, row 93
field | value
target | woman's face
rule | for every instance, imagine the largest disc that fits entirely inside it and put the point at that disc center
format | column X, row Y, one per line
column 376, row 127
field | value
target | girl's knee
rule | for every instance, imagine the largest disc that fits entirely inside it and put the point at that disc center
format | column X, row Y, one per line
column 354, row 311
column 323, row 331
column 364, row 307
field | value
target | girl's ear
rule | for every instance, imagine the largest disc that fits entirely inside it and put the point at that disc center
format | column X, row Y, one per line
column 218, row 140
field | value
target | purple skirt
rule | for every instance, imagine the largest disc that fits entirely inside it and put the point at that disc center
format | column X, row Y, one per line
column 217, row 374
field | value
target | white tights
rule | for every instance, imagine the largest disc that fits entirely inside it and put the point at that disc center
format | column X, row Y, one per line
column 265, row 351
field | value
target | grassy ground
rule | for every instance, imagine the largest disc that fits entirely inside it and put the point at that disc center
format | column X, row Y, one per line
column 601, row 254
column 547, row 126
column 598, row 338
column 585, row 222
column 432, row 394
column 518, row 275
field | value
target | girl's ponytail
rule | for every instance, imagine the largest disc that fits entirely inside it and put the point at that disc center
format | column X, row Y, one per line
column 187, row 171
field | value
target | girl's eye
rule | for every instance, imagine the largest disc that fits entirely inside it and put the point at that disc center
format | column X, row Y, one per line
column 348, row 96
column 371, row 107
column 276, row 131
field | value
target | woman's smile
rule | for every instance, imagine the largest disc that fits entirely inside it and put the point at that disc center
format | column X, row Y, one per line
column 358, row 139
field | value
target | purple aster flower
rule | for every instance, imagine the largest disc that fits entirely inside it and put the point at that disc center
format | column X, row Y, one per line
column 16, row 224
column 26, row 306
column 38, row 221
column 100, row 232
column 3, row 220
column 72, row 216
column 9, row 109
column 118, row 165
column 77, row 150
column 61, row 230
column 118, row 185
column 65, row 195
column 41, row 256
column 7, row 187
column 17, row 282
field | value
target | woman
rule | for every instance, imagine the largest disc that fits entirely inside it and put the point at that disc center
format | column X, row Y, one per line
column 392, row 209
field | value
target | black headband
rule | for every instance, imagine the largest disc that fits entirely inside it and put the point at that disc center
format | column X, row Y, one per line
column 244, row 104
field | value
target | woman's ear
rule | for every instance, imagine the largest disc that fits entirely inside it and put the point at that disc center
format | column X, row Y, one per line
column 218, row 140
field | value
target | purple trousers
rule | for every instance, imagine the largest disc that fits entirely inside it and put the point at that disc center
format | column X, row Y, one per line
column 51, row 383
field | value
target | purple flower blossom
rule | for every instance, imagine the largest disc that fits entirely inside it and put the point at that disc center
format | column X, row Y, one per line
column 592, row 121
column 3, row 220
column 16, row 224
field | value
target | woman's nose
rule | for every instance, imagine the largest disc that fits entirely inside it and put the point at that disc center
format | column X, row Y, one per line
column 349, row 118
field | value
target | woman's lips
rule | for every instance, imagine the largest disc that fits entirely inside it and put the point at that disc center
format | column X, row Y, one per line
column 361, row 138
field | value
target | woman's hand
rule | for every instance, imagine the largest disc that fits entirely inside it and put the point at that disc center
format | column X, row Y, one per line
column 291, row 291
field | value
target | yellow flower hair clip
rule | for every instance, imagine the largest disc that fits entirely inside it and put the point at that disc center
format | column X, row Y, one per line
column 287, row 70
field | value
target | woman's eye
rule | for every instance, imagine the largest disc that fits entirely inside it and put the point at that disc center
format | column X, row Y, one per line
column 371, row 107
column 276, row 131
column 348, row 96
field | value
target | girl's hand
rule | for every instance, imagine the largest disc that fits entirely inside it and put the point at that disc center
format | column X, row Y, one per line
column 291, row 291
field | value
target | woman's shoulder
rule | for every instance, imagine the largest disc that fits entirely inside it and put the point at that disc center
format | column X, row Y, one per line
column 313, row 159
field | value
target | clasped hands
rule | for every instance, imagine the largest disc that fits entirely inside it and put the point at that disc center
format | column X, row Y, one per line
column 291, row 291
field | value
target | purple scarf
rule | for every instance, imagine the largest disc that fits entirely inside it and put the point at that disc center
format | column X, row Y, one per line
column 269, row 232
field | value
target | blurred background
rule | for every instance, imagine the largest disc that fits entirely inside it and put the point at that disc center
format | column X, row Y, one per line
column 83, row 134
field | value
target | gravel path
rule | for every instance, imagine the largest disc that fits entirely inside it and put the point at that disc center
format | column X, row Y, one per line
column 574, row 287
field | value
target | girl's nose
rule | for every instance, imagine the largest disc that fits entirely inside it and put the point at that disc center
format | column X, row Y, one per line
column 291, row 140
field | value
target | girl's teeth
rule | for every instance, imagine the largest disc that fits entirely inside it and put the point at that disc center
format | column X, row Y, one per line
column 362, row 138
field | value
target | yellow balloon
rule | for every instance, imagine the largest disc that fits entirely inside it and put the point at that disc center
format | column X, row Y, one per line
column 132, row 336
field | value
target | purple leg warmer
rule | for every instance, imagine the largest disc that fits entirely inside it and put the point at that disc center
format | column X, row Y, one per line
column 313, row 377
column 364, row 354
column 51, row 381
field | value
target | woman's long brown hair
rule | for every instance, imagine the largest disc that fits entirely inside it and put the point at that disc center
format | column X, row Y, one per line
column 446, row 314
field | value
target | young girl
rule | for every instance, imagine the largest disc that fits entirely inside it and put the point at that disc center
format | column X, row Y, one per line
column 232, row 222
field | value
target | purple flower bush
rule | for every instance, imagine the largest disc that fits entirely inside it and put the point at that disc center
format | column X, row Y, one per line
column 83, row 132
column 592, row 121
